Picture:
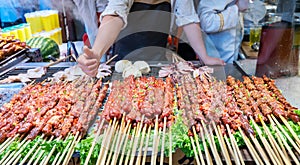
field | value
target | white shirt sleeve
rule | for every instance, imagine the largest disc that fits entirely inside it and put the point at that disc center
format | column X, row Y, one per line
column 101, row 5
column 119, row 8
column 185, row 12
column 213, row 20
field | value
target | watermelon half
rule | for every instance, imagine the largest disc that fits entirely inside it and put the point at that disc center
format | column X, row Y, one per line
column 48, row 47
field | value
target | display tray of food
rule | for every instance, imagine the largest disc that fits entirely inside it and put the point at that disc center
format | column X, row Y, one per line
column 147, row 115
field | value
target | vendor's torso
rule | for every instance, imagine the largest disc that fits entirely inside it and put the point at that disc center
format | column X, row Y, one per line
column 145, row 37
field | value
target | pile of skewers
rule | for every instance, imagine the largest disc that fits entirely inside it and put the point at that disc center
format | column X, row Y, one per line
column 46, row 120
column 253, row 109
column 9, row 46
column 136, row 110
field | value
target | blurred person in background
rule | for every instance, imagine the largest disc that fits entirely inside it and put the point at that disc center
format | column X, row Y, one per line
column 144, row 33
column 223, row 25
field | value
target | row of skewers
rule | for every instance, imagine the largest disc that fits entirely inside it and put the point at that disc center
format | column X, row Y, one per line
column 47, row 120
column 9, row 45
column 215, row 112
column 254, row 109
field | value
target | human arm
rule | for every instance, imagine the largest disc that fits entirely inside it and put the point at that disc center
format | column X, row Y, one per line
column 113, row 19
column 187, row 18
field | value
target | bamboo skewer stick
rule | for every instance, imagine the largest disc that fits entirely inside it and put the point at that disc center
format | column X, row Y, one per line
column 44, row 161
column 211, row 144
column 117, row 144
column 195, row 150
column 286, row 134
column 170, row 146
column 63, row 153
column 198, row 146
column 17, row 155
column 274, row 144
column 207, row 155
column 234, row 146
column 9, row 154
column 109, row 141
column 117, row 152
column 153, row 160
column 38, row 152
column 146, row 146
column 232, row 153
column 260, row 149
column 217, row 157
column 56, row 159
column 125, row 144
column 7, row 143
column 253, row 153
column 30, row 152
column 285, row 143
column 113, row 145
column 18, row 158
column 290, row 129
column 71, row 151
column 130, row 145
column 268, row 148
column 163, row 142
column 94, row 143
column 139, row 158
column 136, row 140
column 222, row 144
column 103, row 144
column 279, row 140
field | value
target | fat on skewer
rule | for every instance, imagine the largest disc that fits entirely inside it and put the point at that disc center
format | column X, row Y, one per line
column 253, row 152
column 138, row 161
column 234, row 146
column 146, row 146
column 290, row 129
column 284, row 141
column 136, row 140
column 163, row 142
column 94, row 143
column 207, row 154
column 198, row 146
column 286, row 134
column 274, row 144
column 268, row 148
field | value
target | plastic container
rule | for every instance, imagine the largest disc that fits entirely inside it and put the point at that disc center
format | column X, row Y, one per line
column 21, row 32
column 27, row 31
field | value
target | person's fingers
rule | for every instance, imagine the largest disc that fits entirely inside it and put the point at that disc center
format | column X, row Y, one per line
column 88, row 52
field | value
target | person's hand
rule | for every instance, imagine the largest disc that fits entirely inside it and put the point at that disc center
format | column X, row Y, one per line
column 89, row 62
column 243, row 5
column 213, row 61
